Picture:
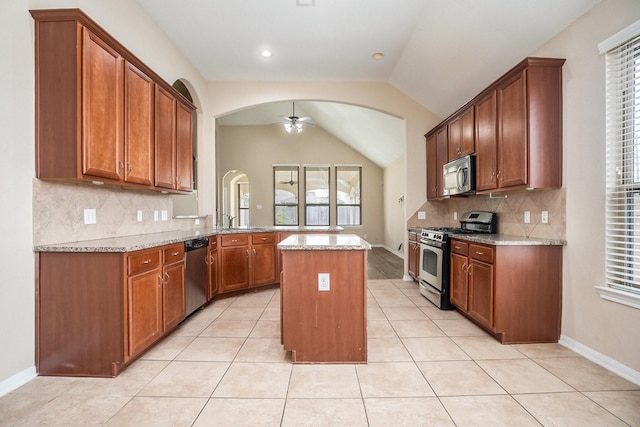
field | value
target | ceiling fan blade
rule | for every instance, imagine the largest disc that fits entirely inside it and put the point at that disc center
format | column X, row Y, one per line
column 302, row 119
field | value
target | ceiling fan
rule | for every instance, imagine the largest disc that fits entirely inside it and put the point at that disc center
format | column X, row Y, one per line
column 295, row 123
column 290, row 182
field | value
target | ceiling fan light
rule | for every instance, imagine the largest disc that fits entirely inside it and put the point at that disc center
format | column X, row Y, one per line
column 288, row 127
column 299, row 127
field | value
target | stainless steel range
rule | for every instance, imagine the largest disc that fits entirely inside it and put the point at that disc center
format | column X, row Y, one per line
column 435, row 254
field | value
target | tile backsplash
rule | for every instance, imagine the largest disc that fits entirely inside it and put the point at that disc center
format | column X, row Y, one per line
column 510, row 210
column 58, row 212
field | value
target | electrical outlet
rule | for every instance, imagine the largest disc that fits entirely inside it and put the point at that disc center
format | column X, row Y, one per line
column 455, row 216
column 197, row 222
column 323, row 281
column 544, row 218
column 164, row 215
column 89, row 216
column 527, row 217
column 422, row 215
column 155, row 215
column 139, row 216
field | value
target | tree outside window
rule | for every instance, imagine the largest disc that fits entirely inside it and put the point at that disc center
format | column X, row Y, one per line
column 348, row 179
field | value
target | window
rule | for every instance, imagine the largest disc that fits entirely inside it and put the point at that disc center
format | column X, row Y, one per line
column 348, row 180
column 285, row 183
column 243, row 204
column 316, row 185
column 623, row 166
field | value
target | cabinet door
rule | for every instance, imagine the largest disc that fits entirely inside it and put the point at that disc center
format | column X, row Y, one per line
column 212, row 260
column 432, row 168
column 486, row 143
column 442, row 154
column 145, row 310
column 481, row 285
column 455, row 138
column 234, row 268
column 102, row 130
column 173, row 298
column 414, row 255
column 459, row 281
column 184, row 148
column 468, row 133
column 138, row 125
column 513, row 161
column 165, row 139
column 264, row 264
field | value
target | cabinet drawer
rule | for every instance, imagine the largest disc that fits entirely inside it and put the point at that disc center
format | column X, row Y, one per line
column 481, row 253
column 173, row 253
column 234, row 240
column 413, row 236
column 143, row 261
column 459, row 247
column 261, row 238
column 213, row 243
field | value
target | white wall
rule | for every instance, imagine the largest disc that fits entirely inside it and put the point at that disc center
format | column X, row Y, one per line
column 606, row 327
column 126, row 21
column 395, row 227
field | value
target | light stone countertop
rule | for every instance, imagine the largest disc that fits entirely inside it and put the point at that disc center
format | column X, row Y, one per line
column 506, row 240
column 150, row 240
column 323, row 242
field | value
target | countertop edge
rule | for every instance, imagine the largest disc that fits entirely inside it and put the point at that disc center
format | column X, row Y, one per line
column 508, row 240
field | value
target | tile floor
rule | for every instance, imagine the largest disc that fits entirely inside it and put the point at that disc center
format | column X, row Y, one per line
column 225, row 367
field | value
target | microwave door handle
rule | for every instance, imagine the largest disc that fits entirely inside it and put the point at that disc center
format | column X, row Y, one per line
column 461, row 171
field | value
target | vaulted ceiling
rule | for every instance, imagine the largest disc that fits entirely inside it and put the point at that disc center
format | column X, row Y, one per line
column 439, row 52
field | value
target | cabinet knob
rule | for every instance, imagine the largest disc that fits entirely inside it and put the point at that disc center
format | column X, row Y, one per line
column 167, row 274
column 264, row 238
column 161, row 281
column 235, row 240
column 479, row 253
column 464, row 266
column 147, row 261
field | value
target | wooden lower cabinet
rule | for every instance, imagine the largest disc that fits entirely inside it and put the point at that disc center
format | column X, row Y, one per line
column 98, row 311
column 513, row 291
column 264, row 261
column 212, row 262
column 414, row 255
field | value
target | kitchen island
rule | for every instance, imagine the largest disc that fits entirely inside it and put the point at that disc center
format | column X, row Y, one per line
column 323, row 291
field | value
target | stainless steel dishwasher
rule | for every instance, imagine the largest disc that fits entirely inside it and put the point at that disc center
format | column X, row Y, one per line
column 196, row 274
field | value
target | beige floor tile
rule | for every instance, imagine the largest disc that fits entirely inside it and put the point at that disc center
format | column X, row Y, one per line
column 324, row 412
column 623, row 404
column 380, row 329
column 375, row 313
column 262, row 350
column 459, row 328
column 168, row 348
column 379, row 284
column 387, row 292
column 417, row 411
column 271, row 314
column 411, row 292
column 48, row 386
column 584, row 375
column 324, row 381
column 483, row 411
column 397, row 379
column 210, row 312
column 128, row 383
column 266, row 329
column 207, row 349
column 258, row 299
column 523, row 376
column 404, row 284
column 436, row 348
column 567, row 409
column 539, row 351
column 459, row 378
column 224, row 302
column 16, row 407
column 158, row 412
column 399, row 301
column 255, row 380
column 241, row 413
column 416, row 328
column 434, row 312
column 404, row 313
column 421, row 301
column 70, row 410
column 229, row 328
column 241, row 313
column 192, row 327
column 485, row 347
column 186, row 379
column 387, row 350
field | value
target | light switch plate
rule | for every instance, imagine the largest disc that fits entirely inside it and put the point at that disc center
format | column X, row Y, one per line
column 544, row 217
column 164, row 215
column 323, row 282
column 139, row 216
column 89, row 216
column 527, row 217
column 155, row 215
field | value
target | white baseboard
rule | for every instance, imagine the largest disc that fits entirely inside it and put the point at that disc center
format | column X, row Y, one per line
column 393, row 252
column 601, row 359
column 407, row 278
column 17, row 380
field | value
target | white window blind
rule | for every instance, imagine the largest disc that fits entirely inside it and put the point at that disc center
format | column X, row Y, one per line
column 623, row 166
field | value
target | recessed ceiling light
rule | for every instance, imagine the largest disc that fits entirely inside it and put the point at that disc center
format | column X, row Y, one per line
column 305, row 2
column 265, row 53
column 378, row 55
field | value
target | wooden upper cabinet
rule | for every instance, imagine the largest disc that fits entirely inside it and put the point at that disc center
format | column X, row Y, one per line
column 184, row 147
column 165, row 139
column 513, row 159
column 486, row 142
column 432, row 167
column 462, row 135
column 139, row 123
column 96, row 109
column 102, row 89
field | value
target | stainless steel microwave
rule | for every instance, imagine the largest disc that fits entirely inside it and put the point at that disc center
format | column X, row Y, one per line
column 459, row 176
